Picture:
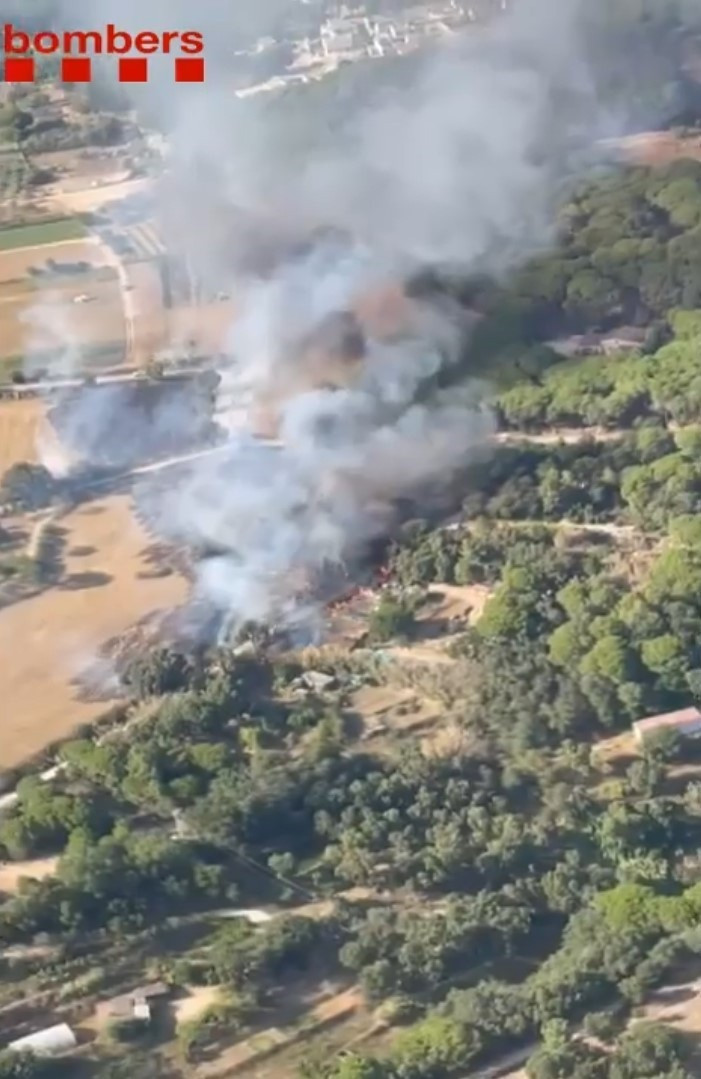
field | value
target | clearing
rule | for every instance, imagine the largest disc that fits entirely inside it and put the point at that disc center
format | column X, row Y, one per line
column 198, row 999
column 454, row 603
column 101, row 595
column 11, row 873
column 254, row 1050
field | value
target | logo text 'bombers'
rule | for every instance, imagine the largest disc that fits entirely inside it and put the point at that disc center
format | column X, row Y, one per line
column 76, row 48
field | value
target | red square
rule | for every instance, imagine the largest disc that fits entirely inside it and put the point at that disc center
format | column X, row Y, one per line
column 133, row 69
column 189, row 69
column 76, row 69
column 19, row 69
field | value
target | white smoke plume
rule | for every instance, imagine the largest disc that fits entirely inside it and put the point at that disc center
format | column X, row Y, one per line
column 458, row 163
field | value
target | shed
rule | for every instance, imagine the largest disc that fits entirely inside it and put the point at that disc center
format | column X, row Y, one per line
column 142, row 1010
column 46, row 1043
column 134, row 1005
column 686, row 721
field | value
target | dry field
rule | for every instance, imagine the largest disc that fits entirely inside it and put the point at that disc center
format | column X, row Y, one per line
column 145, row 299
column 20, row 422
column 48, row 641
column 207, row 328
column 87, row 200
column 48, row 320
column 459, row 603
column 41, row 315
column 15, row 264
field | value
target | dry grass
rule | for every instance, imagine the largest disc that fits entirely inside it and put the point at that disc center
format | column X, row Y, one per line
column 15, row 265
column 20, row 422
column 207, row 327
column 252, row 1052
column 37, row 321
column 49, row 641
column 145, row 297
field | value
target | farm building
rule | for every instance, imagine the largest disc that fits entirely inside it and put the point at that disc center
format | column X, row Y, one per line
column 46, row 1043
column 625, row 339
column 135, row 1005
column 687, row 721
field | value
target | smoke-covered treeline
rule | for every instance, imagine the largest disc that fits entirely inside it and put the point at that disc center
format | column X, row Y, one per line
column 453, row 157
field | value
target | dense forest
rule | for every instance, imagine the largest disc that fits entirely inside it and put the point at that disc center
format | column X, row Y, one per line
column 535, row 886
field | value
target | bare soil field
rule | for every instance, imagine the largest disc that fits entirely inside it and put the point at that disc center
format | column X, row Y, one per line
column 455, row 603
column 198, row 999
column 11, row 873
column 53, row 639
column 656, row 147
column 87, row 200
column 206, row 328
column 20, row 422
column 396, row 708
column 49, row 319
column 147, row 312
column 15, row 264
column 679, row 1005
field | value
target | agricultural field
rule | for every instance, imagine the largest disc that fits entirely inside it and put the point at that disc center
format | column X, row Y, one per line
column 14, row 170
column 52, row 331
column 40, row 233
column 20, row 423
column 206, row 328
column 38, row 287
column 145, row 305
column 17, row 264
column 101, row 594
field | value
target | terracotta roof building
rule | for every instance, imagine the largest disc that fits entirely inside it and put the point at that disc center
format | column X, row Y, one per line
column 687, row 722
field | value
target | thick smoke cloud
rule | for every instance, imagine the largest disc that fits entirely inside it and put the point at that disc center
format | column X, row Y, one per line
column 458, row 163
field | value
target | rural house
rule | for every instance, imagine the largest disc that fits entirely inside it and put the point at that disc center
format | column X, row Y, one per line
column 136, row 1005
column 687, row 722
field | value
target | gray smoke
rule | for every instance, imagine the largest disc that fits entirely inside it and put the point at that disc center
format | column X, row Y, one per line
column 454, row 158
